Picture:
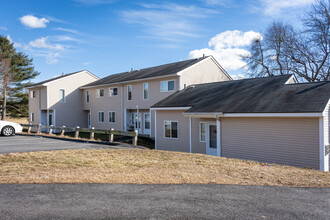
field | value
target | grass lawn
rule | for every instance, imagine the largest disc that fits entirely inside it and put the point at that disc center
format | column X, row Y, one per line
column 149, row 167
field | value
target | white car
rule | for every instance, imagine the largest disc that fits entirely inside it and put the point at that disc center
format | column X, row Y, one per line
column 8, row 128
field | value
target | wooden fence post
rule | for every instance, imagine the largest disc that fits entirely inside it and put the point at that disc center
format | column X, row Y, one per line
column 111, row 135
column 50, row 130
column 77, row 132
column 29, row 128
column 91, row 137
column 62, row 130
column 38, row 128
column 135, row 138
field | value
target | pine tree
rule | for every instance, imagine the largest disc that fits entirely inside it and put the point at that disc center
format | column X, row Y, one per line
column 16, row 69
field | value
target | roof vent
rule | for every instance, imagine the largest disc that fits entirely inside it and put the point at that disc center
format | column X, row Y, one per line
column 203, row 55
column 62, row 74
column 131, row 69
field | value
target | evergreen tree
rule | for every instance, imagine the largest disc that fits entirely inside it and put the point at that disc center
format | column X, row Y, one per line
column 16, row 69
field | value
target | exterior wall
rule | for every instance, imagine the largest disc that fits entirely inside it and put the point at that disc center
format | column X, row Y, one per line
column 197, row 145
column 204, row 72
column 120, row 103
column 34, row 105
column 105, row 104
column 179, row 144
column 70, row 113
column 43, row 98
column 290, row 141
column 326, row 125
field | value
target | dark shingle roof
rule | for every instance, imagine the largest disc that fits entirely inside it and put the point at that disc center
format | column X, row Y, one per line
column 55, row 78
column 157, row 71
column 258, row 95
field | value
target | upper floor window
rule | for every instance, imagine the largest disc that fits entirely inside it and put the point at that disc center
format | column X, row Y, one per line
column 112, row 117
column 33, row 94
column 167, row 86
column 145, row 90
column 62, row 95
column 101, row 116
column 87, row 96
column 129, row 92
column 99, row 93
column 171, row 129
column 113, row 91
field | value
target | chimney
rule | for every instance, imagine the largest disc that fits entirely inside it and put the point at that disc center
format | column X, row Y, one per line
column 62, row 74
column 131, row 69
column 203, row 55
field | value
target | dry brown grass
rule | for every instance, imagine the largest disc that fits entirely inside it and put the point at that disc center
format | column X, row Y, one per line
column 18, row 120
column 149, row 167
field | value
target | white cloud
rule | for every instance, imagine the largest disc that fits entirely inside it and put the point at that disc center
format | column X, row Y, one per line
column 67, row 30
column 271, row 7
column 4, row 28
column 95, row 2
column 237, row 76
column 44, row 44
column 34, row 22
column 169, row 22
column 228, row 47
column 51, row 58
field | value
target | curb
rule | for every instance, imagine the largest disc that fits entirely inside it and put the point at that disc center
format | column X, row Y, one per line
column 82, row 141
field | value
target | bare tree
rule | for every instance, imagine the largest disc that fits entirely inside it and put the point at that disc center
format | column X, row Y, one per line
column 284, row 50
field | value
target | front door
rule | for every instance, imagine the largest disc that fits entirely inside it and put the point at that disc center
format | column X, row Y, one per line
column 89, row 119
column 211, row 137
column 137, row 122
column 146, row 124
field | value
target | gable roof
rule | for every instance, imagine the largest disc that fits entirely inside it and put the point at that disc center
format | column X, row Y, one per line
column 59, row 77
column 258, row 95
column 151, row 72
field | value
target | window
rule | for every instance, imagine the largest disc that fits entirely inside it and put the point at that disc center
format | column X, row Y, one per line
column 101, row 117
column 202, row 132
column 62, row 95
column 32, row 116
column 145, row 91
column 167, row 86
column 112, row 117
column 33, row 94
column 132, row 119
column 113, row 91
column 99, row 93
column 129, row 92
column 171, row 129
column 87, row 96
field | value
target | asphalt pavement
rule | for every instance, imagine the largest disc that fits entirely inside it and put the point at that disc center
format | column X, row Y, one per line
column 120, row 201
column 23, row 143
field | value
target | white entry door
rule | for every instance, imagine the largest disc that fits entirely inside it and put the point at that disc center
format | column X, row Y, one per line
column 146, row 122
column 211, row 139
column 137, row 122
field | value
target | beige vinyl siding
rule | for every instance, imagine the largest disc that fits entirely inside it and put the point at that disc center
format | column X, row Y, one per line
column 326, row 128
column 205, row 71
column 178, row 144
column 105, row 104
column 197, row 145
column 34, row 105
column 155, row 95
column 290, row 141
column 43, row 98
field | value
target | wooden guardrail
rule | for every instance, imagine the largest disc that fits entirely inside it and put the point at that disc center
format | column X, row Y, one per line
column 77, row 130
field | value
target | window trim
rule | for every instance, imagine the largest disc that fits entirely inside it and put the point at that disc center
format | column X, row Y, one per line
column 87, row 95
column 113, row 115
column 167, row 86
column 62, row 100
column 131, row 92
column 98, row 116
column 200, row 131
column 147, row 91
column 171, row 138
column 112, row 91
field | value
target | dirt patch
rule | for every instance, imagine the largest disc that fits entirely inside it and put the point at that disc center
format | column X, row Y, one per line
column 18, row 120
column 149, row 167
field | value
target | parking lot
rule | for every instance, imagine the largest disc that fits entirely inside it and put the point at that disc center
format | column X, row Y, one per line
column 20, row 143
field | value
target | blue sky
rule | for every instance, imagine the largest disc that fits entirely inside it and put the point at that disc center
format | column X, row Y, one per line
column 112, row 36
